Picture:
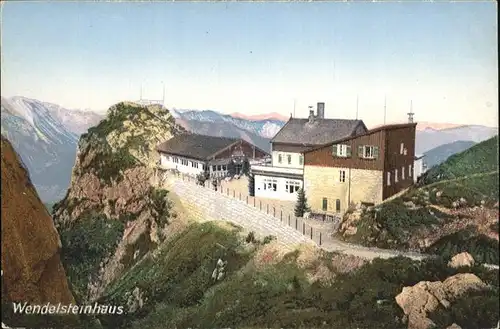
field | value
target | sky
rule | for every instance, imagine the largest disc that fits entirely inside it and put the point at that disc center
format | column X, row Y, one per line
column 252, row 58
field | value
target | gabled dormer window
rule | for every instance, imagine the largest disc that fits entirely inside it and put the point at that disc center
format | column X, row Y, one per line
column 341, row 150
column 368, row 152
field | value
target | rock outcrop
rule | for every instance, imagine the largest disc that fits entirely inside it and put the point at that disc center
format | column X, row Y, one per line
column 31, row 267
column 425, row 297
column 113, row 176
column 462, row 259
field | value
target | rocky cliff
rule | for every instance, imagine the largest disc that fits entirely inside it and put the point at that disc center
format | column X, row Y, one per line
column 31, row 266
column 111, row 213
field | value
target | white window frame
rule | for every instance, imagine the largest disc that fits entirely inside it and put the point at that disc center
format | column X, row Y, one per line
column 280, row 158
column 410, row 171
column 289, row 158
column 341, row 150
column 403, row 173
column 301, row 159
column 370, row 149
column 388, row 178
column 270, row 184
column 342, row 176
column 292, row 186
column 395, row 175
column 402, row 148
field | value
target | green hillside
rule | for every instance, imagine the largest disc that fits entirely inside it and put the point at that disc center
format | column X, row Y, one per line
column 481, row 158
column 439, row 154
column 454, row 209
column 178, row 291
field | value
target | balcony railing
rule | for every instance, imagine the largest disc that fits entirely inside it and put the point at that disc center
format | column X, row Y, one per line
column 282, row 170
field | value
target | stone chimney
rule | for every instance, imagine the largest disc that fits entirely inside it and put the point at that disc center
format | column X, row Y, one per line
column 320, row 110
column 311, row 115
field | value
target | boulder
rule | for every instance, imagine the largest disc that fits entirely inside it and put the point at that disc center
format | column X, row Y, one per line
column 425, row 297
column 462, row 259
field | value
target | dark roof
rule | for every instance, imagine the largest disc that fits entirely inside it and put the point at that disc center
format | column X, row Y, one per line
column 195, row 146
column 368, row 132
column 320, row 131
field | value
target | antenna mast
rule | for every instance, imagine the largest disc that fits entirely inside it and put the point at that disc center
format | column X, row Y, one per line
column 410, row 114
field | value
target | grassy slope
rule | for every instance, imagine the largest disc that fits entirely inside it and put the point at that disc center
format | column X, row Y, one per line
column 481, row 158
column 178, row 291
column 471, row 175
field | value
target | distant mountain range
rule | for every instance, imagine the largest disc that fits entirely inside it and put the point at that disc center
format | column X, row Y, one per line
column 46, row 135
column 212, row 123
column 259, row 117
column 439, row 154
column 428, row 139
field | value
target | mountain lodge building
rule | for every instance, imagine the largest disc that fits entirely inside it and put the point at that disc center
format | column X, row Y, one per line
column 337, row 162
column 193, row 154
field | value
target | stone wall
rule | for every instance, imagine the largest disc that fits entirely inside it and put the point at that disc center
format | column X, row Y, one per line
column 324, row 182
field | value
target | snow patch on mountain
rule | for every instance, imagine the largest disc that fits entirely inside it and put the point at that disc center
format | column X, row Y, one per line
column 265, row 128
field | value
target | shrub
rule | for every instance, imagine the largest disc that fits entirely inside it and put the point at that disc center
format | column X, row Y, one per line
column 481, row 247
column 268, row 239
column 86, row 244
column 474, row 309
column 251, row 237
column 160, row 207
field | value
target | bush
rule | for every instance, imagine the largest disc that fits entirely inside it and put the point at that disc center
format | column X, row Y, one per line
column 90, row 240
column 481, row 247
column 251, row 237
column 391, row 224
column 474, row 309
column 268, row 239
column 160, row 207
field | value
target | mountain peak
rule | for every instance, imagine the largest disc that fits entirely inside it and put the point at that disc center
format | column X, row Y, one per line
column 259, row 117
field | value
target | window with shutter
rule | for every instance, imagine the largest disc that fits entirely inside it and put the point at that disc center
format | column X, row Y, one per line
column 375, row 152
column 337, row 205
column 334, row 150
column 325, row 204
column 361, row 151
column 348, row 150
